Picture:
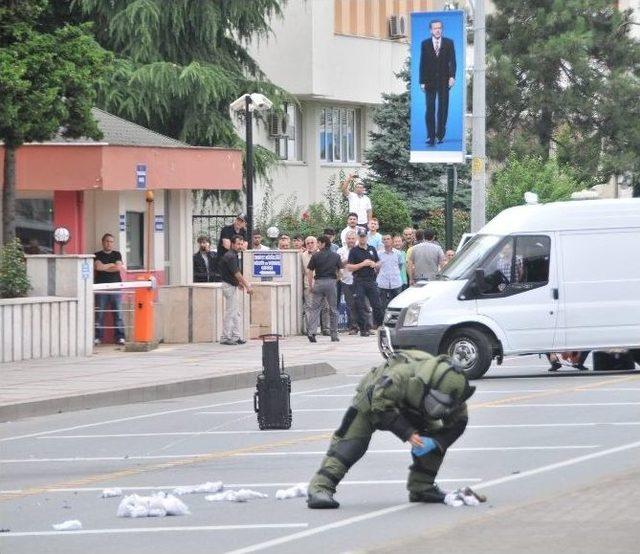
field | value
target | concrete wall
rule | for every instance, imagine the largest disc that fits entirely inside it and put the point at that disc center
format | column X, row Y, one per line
column 57, row 318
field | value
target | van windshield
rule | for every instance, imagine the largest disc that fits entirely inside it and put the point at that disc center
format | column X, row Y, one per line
column 465, row 262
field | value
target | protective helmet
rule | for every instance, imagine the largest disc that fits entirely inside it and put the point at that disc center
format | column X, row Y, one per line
column 446, row 390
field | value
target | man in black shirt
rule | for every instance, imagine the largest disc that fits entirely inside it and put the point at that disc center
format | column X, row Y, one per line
column 232, row 280
column 205, row 263
column 107, row 265
column 238, row 227
column 322, row 275
column 364, row 262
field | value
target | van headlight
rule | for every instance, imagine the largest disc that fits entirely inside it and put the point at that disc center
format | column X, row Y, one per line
column 412, row 315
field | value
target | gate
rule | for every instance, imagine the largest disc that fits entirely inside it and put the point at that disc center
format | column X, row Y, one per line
column 210, row 226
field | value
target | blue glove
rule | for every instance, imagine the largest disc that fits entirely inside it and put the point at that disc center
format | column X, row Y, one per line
column 428, row 444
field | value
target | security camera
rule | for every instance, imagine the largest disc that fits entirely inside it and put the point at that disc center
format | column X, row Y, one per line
column 261, row 102
column 239, row 104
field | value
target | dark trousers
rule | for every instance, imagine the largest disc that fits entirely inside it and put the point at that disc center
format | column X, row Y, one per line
column 387, row 295
column 436, row 127
column 367, row 289
column 349, row 291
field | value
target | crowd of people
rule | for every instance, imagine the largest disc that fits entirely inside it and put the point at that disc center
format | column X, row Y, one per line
column 366, row 266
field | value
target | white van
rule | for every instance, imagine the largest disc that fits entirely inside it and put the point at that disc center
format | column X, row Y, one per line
column 555, row 277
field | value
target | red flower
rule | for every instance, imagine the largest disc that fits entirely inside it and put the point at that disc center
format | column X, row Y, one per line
column 305, row 216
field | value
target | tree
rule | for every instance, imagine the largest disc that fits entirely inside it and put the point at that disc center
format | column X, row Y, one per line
column 436, row 221
column 564, row 77
column 47, row 85
column 181, row 63
column 390, row 209
column 549, row 180
column 420, row 185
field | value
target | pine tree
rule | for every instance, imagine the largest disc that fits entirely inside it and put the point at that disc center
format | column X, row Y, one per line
column 180, row 63
column 564, row 78
column 420, row 185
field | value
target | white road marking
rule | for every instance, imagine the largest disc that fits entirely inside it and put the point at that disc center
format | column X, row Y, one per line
column 295, row 410
column 378, row 513
column 324, row 430
column 284, row 453
column 122, row 531
column 244, row 485
column 565, row 405
column 188, row 433
column 156, row 414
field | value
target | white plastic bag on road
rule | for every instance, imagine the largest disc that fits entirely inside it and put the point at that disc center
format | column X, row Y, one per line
column 241, row 495
column 70, row 525
column 464, row 497
column 209, row 486
column 111, row 493
column 299, row 490
column 156, row 505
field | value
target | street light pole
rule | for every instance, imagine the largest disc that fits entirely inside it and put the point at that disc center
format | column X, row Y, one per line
column 249, row 163
column 478, row 154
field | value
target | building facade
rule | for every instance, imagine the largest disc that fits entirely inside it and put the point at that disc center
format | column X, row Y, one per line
column 337, row 57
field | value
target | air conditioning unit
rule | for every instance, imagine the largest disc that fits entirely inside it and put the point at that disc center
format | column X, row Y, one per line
column 275, row 124
column 398, row 26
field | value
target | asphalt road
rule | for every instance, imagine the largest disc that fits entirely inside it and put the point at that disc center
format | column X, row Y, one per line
column 557, row 455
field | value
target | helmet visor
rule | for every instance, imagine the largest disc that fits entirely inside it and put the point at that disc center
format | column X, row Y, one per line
column 438, row 404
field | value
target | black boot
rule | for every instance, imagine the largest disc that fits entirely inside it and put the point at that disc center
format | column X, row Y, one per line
column 322, row 500
column 432, row 495
column 555, row 366
column 312, row 338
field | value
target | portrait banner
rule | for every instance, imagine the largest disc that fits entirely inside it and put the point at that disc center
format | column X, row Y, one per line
column 438, row 87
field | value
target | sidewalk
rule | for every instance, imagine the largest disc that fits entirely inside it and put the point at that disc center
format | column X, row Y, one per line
column 112, row 376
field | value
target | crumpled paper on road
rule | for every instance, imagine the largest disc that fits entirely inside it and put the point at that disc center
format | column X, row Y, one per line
column 156, row 505
column 292, row 492
column 464, row 497
column 70, row 525
column 111, row 493
column 241, row 495
column 209, row 486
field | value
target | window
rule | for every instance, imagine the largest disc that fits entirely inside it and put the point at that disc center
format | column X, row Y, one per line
column 521, row 263
column 135, row 240
column 288, row 144
column 338, row 134
column 34, row 224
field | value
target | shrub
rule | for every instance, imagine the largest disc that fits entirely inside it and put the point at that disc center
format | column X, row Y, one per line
column 13, row 271
column 390, row 209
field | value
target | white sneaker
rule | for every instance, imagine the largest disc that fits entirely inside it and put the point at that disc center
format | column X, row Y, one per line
column 121, row 341
column 96, row 342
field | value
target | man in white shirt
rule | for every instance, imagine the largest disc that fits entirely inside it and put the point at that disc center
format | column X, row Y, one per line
column 359, row 202
column 346, row 282
column 256, row 241
column 352, row 225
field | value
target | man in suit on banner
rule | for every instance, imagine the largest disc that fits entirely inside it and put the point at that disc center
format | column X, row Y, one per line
column 437, row 76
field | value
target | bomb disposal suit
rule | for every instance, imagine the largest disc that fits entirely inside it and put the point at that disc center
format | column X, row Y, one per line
column 416, row 396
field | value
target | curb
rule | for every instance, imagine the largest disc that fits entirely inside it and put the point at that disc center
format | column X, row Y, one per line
column 147, row 393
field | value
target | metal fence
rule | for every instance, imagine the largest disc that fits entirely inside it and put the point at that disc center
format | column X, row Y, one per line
column 210, row 226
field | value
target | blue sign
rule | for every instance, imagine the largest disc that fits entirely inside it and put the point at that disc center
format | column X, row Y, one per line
column 141, row 176
column 85, row 270
column 123, row 222
column 159, row 223
column 267, row 263
column 438, row 87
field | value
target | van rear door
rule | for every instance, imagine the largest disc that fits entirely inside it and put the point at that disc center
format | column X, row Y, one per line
column 521, row 292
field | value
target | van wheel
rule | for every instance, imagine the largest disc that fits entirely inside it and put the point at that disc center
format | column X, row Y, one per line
column 470, row 349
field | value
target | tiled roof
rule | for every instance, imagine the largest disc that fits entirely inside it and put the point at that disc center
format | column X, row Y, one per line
column 121, row 132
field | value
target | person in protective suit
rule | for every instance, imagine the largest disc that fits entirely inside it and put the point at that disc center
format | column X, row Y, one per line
column 418, row 397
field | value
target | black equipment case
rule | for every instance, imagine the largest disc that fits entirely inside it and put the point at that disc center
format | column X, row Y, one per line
column 272, row 400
